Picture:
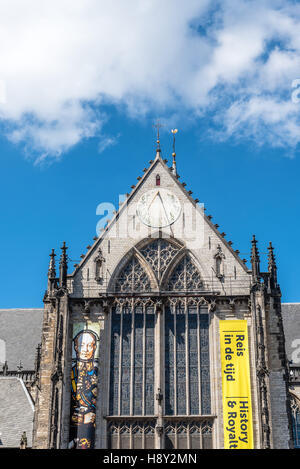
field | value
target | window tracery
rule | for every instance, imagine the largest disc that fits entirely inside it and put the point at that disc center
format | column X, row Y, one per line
column 133, row 278
column 131, row 434
column 185, row 276
column 159, row 253
column 184, row 435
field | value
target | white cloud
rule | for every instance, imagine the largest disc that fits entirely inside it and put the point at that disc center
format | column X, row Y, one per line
column 107, row 142
column 62, row 60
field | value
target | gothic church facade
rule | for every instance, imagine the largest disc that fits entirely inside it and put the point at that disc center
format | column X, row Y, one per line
column 145, row 303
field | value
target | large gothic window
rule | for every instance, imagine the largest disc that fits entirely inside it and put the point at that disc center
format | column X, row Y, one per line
column 187, row 370
column 148, row 334
column 159, row 253
column 185, row 276
column 133, row 278
column 132, row 360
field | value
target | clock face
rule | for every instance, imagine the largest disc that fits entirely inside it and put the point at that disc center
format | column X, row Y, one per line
column 158, row 208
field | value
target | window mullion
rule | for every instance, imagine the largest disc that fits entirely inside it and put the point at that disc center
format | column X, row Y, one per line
column 120, row 361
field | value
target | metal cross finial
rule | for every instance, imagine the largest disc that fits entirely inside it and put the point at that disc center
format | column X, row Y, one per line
column 158, row 126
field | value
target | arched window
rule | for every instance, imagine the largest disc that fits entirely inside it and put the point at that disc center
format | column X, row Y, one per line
column 185, row 276
column 133, row 278
column 159, row 253
column 158, row 180
column 172, row 335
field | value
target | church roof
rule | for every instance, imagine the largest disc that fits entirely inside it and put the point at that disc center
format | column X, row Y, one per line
column 291, row 326
column 16, row 413
column 20, row 334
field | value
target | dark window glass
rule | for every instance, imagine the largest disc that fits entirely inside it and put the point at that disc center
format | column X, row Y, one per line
column 138, row 361
column 193, row 361
column 169, row 362
column 149, row 359
column 181, row 361
column 296, row 424
column 115, row 352
column 126, row 362
column 204, row 365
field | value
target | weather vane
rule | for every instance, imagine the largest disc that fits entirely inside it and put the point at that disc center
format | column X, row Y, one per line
column 174, row 132
column 174, row 167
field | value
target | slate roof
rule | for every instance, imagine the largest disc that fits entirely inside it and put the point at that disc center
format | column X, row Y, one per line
column 16, row 413
column 291, row 325
column 20, row 334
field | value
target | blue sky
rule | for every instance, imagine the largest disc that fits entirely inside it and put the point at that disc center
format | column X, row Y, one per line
column 82, row 84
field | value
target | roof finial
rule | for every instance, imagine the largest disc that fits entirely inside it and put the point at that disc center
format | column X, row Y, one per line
column 51, row 270
column 63, row 266
column 255, row 261
column 158, row 126
column 174, row 168
column 272, row 268
column 51, row 273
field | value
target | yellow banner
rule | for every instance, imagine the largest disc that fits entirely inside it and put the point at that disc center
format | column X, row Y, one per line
column 237, row 409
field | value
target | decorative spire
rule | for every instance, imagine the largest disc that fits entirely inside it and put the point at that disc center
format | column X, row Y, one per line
column 63, row 266
column 51, row 272
column 174, row 168
column 272, row 268
column 158, row 126
column 255, row 261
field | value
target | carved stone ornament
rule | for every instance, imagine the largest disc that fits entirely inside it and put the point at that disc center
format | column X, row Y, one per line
column 99, row 261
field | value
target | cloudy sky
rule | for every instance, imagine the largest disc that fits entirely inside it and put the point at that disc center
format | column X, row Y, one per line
column 64, row 61
column 81, row 82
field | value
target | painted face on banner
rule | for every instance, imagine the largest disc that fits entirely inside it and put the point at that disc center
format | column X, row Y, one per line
column 85, row 346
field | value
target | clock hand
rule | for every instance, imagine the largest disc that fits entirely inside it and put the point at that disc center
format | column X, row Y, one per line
column 153, row 198
column 164, row 208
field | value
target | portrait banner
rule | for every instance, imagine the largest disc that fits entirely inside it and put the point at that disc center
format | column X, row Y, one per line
column 236, row 386
column 84, row 382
